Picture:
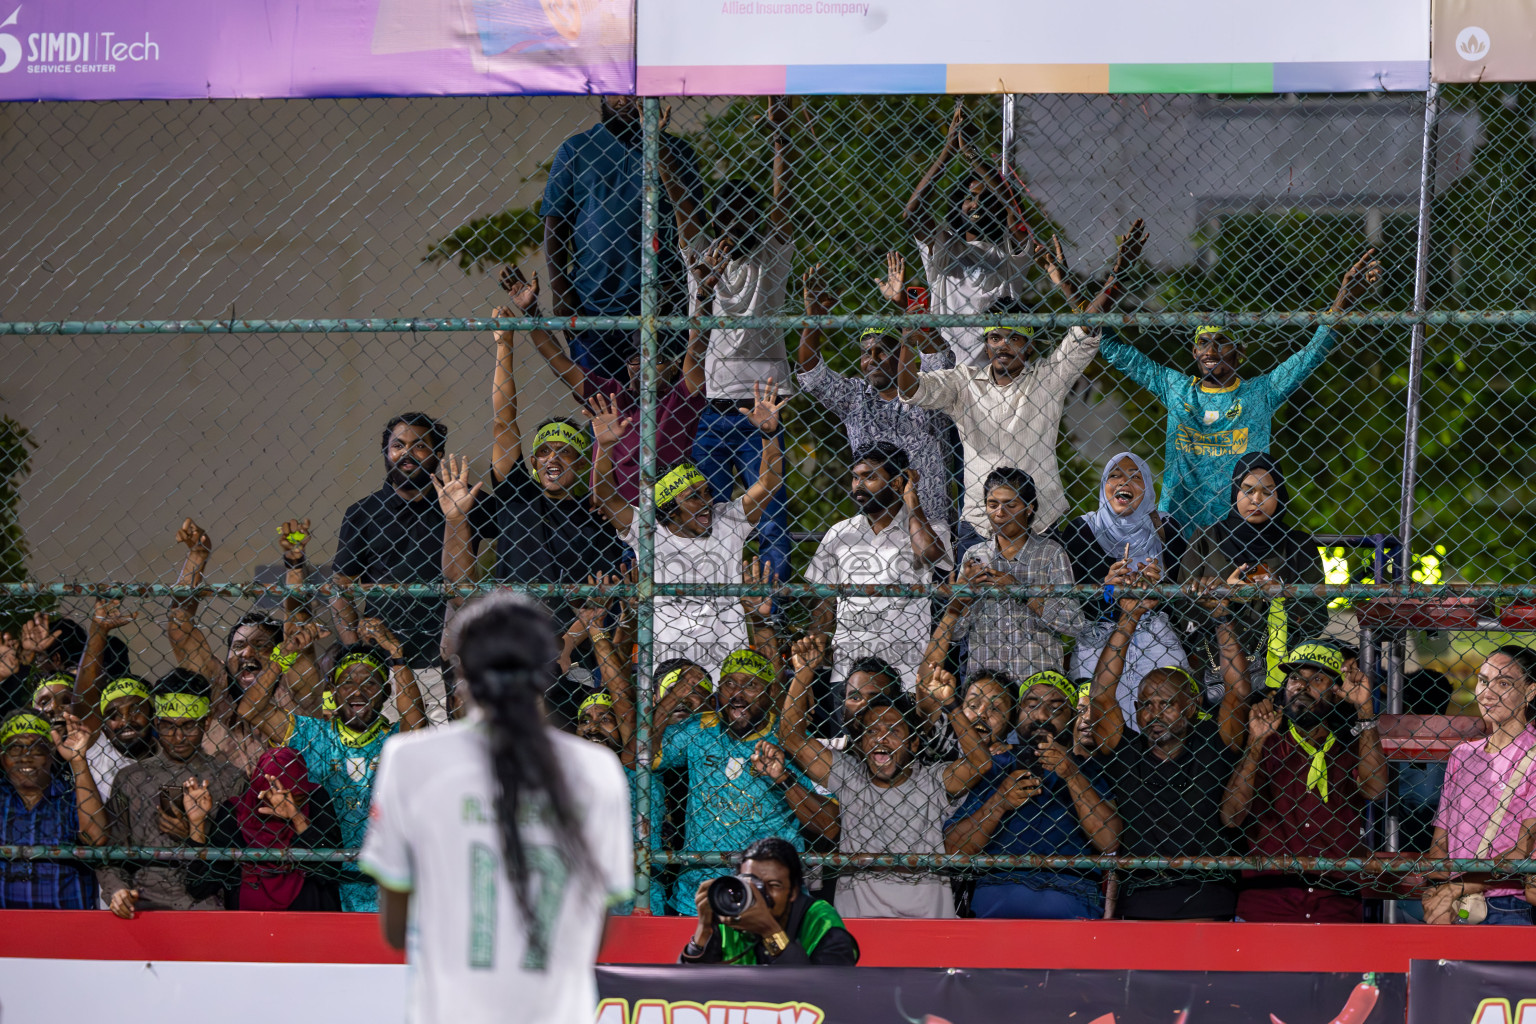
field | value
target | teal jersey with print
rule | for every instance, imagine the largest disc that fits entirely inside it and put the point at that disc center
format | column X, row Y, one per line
column 729, row 807
column 347, row 773
column 1209, row 429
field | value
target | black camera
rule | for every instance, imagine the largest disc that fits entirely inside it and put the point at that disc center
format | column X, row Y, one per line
column 730, row 895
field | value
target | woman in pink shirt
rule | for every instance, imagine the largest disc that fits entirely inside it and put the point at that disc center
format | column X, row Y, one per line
column 1476, row 779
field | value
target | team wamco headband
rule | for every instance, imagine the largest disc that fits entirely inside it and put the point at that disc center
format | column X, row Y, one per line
column 750, row 662
column 1205, row 329
column 47, row 684
column 1028, row 332
column 670, row 680
column 118, row 688
column 181, row 705
column 874, row 332
column 24, row 725
column 357, row 658
column 561, row 433
column 1050, row 678
column 676, row 482
column 597, row 700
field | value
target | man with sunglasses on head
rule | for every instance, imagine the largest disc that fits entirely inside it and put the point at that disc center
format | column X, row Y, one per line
column 1216, row 416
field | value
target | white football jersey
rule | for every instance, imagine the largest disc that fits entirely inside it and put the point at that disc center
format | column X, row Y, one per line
column 432, row 833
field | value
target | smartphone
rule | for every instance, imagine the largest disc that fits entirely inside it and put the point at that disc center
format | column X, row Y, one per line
column 1259, row 574
column 917, row 298
column 170, row 801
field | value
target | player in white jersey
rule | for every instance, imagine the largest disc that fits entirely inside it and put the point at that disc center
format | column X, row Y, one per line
column 496, row 919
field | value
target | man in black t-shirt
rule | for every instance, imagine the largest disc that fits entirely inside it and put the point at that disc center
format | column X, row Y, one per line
column 395, row 535
column 545, row 529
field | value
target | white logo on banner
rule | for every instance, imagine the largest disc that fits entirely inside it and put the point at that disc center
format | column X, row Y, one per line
column 1472, row 43
column 10, row 46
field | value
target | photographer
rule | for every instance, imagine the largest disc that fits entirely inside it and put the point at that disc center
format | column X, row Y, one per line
column 782, row 925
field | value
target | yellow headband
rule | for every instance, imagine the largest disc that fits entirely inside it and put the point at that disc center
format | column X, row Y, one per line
column 328, row 701
column 561, row 433
column 870, row 332
column 1050, row 678
column 597, row 700
column 24, row 725
column 750, row 662
column 1205, row 329
column 670, row 679
column 181, row 705
column 357, row 658
column 128, row 687
column 677, row 481
column 1194, row 687
column 1028, row 332
column 50, row 682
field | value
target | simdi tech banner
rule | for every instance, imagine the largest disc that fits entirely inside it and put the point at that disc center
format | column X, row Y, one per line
column 702, row 47
column 1468, row 992
column 1484, row 41
column 183, row 49
column 861, row 995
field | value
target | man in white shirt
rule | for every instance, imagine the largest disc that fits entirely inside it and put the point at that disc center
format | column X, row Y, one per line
column 745, row 271
column 891, row 541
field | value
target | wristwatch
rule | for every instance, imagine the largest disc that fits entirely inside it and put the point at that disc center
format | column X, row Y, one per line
column 776, row 943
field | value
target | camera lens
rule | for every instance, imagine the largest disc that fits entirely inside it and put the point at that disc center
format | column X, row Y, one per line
column 729, row 896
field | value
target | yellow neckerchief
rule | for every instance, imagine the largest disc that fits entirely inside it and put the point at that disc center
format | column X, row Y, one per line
column 353, row 738
column 1317, row 771
column 1277, row 650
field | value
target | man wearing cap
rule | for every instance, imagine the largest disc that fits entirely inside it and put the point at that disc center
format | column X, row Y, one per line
column 1215, row 416
column 1037, row 800
column 698, row 538
column 40, row 807
column 1168, row 777
column 537, row 513
column 891, row 541
column 1302, row 787
column 342, row 752
column 740, row 787
column 147, row 808
column 870, row 407
column 395, row 535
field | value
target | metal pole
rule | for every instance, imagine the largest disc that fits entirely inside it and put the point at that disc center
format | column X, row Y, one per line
column 645, row 554
column 1416, row 348
column 1005, row 161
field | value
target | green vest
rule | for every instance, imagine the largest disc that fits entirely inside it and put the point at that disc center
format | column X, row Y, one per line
column 738, row 947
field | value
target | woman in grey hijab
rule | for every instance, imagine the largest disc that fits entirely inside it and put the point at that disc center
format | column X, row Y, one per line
column 1125, row 527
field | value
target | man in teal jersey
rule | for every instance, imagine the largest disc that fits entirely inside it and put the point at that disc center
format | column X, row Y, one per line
column 1216, row 416
column 342, row 752
column 740, row 788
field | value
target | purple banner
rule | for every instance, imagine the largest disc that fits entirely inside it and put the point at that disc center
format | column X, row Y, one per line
column 203, row 49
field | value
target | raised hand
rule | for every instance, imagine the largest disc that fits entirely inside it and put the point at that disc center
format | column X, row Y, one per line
column 818, row 300
column 764, row 414
column 302, row 636
column 1356, row 688
column 73, row 740
column 292, row 537
column 768, row 761
column 451, row 483
column 608, row 426
column 1053, row 260
column 196, row 800
column 1263, row 721
column 108, row 614
column 894, row 284
column 909, row 492
column 194, row 537
column 710, row 264
column 278, row 801
column 955, row 135
column 520, row 292
column 1357, row 280
column 36, row 637
column 1128, row 248
column 808, row 652
column 374, row 631
column 758, row 573
column 10, row 656
column 937, row 685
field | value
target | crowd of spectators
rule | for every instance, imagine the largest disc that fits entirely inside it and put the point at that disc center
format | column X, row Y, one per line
column 961, row 718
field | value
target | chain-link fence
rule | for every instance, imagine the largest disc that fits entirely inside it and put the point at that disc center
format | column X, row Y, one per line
column 877, row 607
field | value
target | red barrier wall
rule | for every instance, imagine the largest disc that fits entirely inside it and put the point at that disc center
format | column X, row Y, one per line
column 1058, row 945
